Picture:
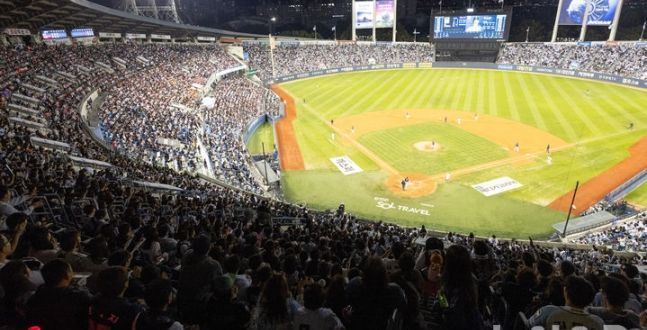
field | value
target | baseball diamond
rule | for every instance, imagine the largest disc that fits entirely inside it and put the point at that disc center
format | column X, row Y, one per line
column 487, row 124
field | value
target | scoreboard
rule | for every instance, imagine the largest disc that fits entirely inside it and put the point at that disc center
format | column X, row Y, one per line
column 478, row 26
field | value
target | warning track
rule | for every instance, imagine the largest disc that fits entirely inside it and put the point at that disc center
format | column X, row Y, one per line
column 289, row 151
column 595, row 189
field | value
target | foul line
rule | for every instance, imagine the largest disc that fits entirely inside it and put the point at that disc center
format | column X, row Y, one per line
column 457, row 172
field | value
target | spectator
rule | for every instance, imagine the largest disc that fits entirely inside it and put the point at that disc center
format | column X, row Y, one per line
column 56, row 305
column 276, row 309
column 14, row 278
column 159, row 295
column 615, row 294
column 372, row 298
column 460, row 289
column 579, row 294
column 224, row 310
column 196, row 281
column 109, row 309
column 314, row 316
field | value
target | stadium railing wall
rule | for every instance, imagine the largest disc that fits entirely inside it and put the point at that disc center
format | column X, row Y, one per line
column 468, row 65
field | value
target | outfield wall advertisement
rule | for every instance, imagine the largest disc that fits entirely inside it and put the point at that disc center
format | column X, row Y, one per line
column 601, row 12
column 467, row 65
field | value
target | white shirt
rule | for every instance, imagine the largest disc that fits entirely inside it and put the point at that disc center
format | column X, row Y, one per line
column 320, row 319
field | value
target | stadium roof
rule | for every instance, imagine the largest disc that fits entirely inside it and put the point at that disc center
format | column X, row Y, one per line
column 37, row 15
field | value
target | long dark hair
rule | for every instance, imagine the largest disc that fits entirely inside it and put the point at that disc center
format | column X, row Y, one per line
column 274, row 298
column 375, row 276
column 458, row 280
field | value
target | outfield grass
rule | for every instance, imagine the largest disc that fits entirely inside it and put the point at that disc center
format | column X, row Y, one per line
column 592, row 114
column 458, row 149
column 264, row 134
column 638, row 196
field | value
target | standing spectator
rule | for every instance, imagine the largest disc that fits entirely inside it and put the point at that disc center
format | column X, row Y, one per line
column 109, row 309
column 276, row 309
column 159, row 295
column 224, row 310
column 372, row 298
column 196, row 281
column 314, row 316
column 460, row 290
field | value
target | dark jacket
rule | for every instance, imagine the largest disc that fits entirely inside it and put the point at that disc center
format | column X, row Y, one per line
column 58, row 308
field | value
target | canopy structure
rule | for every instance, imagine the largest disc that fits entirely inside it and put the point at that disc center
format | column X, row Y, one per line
column 36, row 15
column 578, row 225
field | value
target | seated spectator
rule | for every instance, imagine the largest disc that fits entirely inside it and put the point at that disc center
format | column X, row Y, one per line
column 578, row 293
column 14, row 278
column 314, row 316
column 56, row 305
column 372, row 298
column 70, row 242
column 224, row 310
column 109, row 309
column 276, row 308
column 614, row 295
column 159, row 295
column 9, row 203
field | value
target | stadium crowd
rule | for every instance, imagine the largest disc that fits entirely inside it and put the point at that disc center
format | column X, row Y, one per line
column 85, row 248
column 623, row 59
column 294, row 59
column 626, row 236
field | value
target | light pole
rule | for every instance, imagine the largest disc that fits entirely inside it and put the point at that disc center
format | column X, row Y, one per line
column 527, row 32
column 272, row 21
column 642, row 34
column 415, row 35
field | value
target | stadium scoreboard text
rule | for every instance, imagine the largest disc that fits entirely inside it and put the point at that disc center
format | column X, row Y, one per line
column 493, row 27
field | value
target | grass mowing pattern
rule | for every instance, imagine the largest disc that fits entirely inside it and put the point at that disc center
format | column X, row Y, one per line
column 592, row 114
column 264, row 134
column 458, row 148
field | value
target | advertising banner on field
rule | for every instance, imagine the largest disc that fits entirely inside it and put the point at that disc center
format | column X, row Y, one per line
column 364, row 11
column 346, row 165
column 497, row 186
column 601, row 12
column 384, row 14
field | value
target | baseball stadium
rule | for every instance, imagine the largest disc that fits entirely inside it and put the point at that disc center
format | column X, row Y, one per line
column 323, row 164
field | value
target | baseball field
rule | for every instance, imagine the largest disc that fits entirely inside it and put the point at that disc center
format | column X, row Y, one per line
column 523, row 139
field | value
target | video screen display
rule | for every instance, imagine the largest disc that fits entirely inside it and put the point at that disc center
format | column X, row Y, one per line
column 471, row 27
column 82, row 33
column 601, row 12
column 53, row 34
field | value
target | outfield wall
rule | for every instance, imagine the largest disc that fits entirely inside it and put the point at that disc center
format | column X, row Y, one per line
column 468, row 65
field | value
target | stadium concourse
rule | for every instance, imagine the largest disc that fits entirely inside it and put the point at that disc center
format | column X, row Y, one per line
column 113, row 238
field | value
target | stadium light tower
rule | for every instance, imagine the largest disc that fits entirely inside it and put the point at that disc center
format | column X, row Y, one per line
column 165, row 10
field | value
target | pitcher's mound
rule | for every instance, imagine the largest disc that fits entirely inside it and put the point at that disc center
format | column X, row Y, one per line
column 427, row 146
column 419, row 185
